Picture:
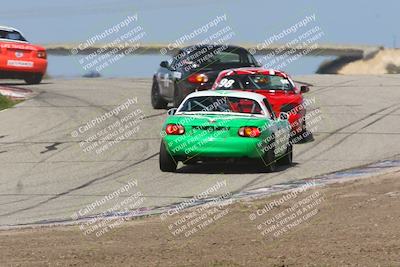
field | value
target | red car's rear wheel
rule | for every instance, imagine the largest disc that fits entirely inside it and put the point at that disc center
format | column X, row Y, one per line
column 33, row 78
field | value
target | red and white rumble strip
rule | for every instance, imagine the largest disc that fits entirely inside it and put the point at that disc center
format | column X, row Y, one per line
column 15, row 93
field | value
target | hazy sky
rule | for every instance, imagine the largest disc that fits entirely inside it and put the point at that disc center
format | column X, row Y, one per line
column 355, row 22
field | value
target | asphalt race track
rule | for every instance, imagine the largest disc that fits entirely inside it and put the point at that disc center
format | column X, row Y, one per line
column 46, row 175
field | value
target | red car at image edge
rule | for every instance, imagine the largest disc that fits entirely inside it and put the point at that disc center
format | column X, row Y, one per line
column 277, row 86
column 19, row 59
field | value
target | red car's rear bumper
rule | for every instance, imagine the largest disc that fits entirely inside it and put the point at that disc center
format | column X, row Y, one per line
column 26, row 65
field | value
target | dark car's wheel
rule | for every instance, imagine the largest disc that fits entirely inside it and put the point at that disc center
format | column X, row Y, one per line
column 33, row 78
column 304, row 136
column 303, row 127
column 178, row 96
column 300, row 135
column 269, row 160
column 167, row 162
column 156, row 100
column 287, row 158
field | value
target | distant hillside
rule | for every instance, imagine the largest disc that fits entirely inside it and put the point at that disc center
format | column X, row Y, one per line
column 385, row 61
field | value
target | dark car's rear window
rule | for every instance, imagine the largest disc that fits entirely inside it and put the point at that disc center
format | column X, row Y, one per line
column 11, row 35
column 204, row 56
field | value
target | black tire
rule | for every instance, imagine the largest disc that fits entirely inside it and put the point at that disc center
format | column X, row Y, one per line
column 269, row 160
column 303, row 127
column 178, row 98
column 299, row 136
column 33, row 78
column 167, row 162
column 305, row 135
column 156, row 99
column 287, row 158
column 190, row 162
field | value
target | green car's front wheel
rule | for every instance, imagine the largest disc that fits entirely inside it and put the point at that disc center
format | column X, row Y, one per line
column 167, row 162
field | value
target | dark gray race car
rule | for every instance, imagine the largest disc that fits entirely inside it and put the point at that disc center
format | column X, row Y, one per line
column 195, row 68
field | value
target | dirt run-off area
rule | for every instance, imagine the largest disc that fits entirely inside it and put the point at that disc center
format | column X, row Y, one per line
column 385, row 61
column 355, row 223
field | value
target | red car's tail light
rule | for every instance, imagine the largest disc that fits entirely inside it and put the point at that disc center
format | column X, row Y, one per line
column 198, row 78
column 42, row 54
column 249, row 131
column 175, row 129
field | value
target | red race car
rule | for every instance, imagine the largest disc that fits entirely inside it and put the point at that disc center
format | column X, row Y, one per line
column 275, row 85
column 20, row 59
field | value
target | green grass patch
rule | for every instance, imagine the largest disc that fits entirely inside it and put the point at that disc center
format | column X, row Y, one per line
column 6, row 103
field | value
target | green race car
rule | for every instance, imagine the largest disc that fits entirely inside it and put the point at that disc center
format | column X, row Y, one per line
column 215, row 125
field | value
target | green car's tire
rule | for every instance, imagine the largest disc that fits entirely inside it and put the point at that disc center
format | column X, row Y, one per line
column 190, row 162
column 269, row 160
column 167, row 162
column 156, row 100
column 287, row 159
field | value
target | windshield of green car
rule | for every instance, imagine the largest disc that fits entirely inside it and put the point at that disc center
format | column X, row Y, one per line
column 212, row 104
column 255, row 82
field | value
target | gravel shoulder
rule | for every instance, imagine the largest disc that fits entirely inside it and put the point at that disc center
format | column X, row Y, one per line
column 353, row 224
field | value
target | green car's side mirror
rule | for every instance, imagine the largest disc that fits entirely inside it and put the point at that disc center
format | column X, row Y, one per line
column 172, row 111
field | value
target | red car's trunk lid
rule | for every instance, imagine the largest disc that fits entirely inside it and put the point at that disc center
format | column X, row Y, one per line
column 17, row 51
